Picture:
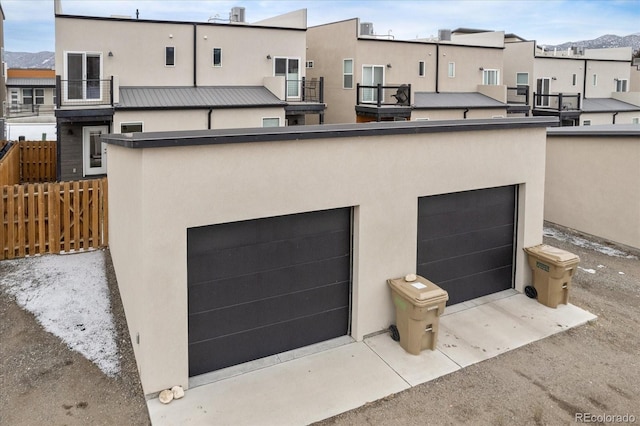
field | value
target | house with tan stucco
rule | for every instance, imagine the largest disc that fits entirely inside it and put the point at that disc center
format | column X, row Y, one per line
column 579, row 86
column 127, row 75
column 372, row 77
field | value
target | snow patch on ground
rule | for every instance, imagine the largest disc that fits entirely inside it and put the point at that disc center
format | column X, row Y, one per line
column 69, row 296
column 581, row 242
column 590, row 271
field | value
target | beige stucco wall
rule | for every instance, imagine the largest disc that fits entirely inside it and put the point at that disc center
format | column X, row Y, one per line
column 468, row 61
column 592, row 185
column 172, row 189
column 607, row 117
column 160, row 121
column 138, row 49
column 606, row 72
column 456, row 114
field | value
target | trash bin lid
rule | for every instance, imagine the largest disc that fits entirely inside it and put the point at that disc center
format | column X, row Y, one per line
column 552, row 254
column 421, row 291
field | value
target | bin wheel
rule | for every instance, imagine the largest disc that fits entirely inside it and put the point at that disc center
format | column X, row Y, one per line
column 531, row 292
column 395, row 335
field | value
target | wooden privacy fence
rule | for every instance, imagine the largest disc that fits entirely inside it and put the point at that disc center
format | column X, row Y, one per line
column 28, row 161
column 53, row 217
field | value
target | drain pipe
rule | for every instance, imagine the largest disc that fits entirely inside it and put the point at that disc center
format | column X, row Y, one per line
column 465, row 113
column 195, row 55
column 209, row 119
column 614, row 116
column 437, row 66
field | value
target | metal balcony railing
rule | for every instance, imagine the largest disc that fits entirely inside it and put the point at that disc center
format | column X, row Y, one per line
column 379, row 95
column 305, row 90
column 518, row 94
column 557, row 101
column 84, row 92
column 27, row 110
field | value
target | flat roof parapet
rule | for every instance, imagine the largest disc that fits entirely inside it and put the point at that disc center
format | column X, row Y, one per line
column 273, row 134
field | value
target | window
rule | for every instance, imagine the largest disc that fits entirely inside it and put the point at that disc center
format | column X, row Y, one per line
column 452, row 69
column 27, row 96
column 94, row 150
column 290, row 69
column 170, row 56
column 347, row 73
column 542, row 92
column 595, row 79
column 372, row 75
column 522, row 78
column 308, row 64
column 39, row 96
column 421, row 69
column 217, row 57
column 587, row 122
column 635, row 120
column 271, row 122
column 621, row 85
column 574, row 80
column 131, row 127
column 490, row 77
column 15, row 94
column 83, row 73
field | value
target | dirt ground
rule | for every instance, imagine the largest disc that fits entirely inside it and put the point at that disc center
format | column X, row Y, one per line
column 43, row 382
column 591, row 369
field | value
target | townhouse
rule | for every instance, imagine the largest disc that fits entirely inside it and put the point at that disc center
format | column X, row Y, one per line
column 31, row 92
column 124, row 74
column 370, row 77
column 579, row 86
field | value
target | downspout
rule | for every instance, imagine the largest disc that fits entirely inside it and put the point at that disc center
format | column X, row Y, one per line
column 437, row 66
column 465, row 113
column 209, row 118
column 614, row 116
column 195, row 46
column 584, row 81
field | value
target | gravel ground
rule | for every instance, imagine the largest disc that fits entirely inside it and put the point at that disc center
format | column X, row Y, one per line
column 592, row 369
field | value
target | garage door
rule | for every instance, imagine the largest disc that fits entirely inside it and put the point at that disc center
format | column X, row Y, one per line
column 260, row 287
column 466, row 241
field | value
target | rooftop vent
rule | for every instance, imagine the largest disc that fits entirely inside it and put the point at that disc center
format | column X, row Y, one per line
column 444, row 35
column 366, row 28
column 236, row 14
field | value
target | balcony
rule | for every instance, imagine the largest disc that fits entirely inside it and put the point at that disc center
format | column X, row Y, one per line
column 27, row 110
column 565, row 106
column 305, row 96
column 518, row 100
column 80, row 93
column 383, row 103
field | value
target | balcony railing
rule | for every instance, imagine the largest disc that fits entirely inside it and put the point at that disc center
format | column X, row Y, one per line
column 27, row 110
column 84, row 92
column 379, row 95
column 518, row 95
column 557, row 101
column 305, row 90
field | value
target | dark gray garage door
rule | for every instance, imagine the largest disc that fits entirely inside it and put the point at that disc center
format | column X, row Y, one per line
column 466, row 241
column 265, row 286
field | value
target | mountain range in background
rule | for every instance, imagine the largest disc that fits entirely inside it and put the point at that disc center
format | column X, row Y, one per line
column 46, row 60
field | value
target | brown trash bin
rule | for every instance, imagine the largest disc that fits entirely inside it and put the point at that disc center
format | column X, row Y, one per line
column 419, row 305
column 552, row 270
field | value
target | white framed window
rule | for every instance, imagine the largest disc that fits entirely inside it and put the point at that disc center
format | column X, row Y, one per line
column 347, row 74
column 421, row 68
column 290, row 69
column 132, row 127
column 308, row 64
column 574, row 79
column 635, row 120
column 372, row 75
column 27, row 96
column 271, row 122
column 169, row 56
column 217, row 56
column 621, row 85
column 595, row 79
column 491, row 77
column 451, row 69
column 39, row 96
column 83, row 72
column 586, row 123
column 543, row 90
column 522, row 78
column 15, row 96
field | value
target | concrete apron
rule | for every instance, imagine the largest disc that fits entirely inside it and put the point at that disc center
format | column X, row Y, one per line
column 302, row 387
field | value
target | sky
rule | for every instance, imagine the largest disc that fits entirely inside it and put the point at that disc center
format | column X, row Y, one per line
column 29, row 24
